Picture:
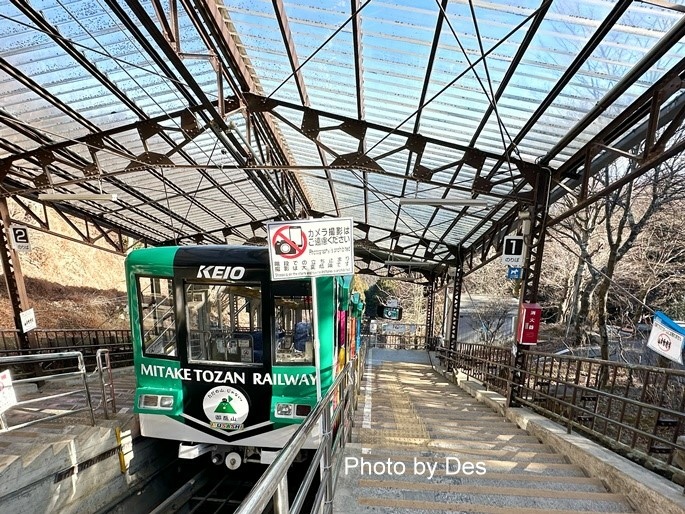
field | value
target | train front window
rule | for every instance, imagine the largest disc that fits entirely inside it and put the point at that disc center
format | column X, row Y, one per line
column 158, row 322
column 224, row 323
column 293, row 304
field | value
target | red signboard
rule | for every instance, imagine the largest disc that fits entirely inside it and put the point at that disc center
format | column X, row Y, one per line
column 528, row 323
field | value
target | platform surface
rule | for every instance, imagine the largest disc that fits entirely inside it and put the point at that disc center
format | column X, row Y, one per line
column 423, row 445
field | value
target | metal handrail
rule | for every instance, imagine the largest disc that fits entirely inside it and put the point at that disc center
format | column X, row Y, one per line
column 636, row 410
column 23, row 359
column 86, row 341
column 104, row 367
column 274, row 482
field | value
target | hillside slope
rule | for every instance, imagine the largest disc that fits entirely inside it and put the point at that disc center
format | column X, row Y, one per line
column 69, row 285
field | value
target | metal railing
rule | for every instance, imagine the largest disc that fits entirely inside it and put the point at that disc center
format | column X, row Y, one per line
column 395, row 341
column 333, row 415
column 87, row 341
column 637, row 411
column 21, row 404
column 104, row 369
column 57, row 338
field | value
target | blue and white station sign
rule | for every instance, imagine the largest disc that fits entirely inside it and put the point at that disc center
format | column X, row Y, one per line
column 514, row 273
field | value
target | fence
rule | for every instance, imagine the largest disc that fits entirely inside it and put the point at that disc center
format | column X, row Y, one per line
column 637, row 411
column 86, row 341
column 80, row 372
column 398, row 342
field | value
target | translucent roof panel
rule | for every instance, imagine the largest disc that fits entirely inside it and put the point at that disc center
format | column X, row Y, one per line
column 212, row 122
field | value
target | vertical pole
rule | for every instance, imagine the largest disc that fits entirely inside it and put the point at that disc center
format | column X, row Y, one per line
column 518, row 359
column 13, row 276
column 327, row 474
column 317, row 343
column 281, row 503
column 533, row 229
column 456, row 307
column 84, row 377
column 317, row 367
column 430, row 306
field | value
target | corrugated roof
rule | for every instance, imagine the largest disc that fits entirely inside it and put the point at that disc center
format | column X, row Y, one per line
column 209, row 120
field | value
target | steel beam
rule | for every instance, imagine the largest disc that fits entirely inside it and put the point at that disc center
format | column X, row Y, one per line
column 617, row 133
column 14, row 278
column 456, row 309
column 291, row 51
column 509, row 74
column 215, row 17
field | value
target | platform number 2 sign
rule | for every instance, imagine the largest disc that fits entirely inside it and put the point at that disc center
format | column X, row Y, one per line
column 20, row 238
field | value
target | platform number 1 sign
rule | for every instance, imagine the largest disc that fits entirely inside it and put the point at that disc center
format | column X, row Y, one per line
column 20, row 238
column 513, row 250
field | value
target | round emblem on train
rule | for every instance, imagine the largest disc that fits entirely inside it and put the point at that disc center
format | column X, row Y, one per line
column 226, row 408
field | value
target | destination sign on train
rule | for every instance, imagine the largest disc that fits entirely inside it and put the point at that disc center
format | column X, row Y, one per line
column 311, row 248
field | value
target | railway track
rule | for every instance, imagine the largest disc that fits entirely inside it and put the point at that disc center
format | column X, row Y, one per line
column 219, row 491
column 212, row 490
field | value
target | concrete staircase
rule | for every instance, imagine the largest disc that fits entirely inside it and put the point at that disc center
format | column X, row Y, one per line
column 65, row 465
column 422, row 445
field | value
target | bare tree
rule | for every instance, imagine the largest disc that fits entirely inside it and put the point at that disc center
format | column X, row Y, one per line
column 627, row 213
column 490, row 318
column 410, row 298
column 654, row 270
column 580, row 231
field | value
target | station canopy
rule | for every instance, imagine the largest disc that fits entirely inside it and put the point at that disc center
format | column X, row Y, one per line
column 208, row 120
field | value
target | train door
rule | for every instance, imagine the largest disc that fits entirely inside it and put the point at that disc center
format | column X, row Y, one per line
column 224, row 342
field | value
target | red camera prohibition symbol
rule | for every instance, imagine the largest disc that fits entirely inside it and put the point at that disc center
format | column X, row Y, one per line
column 290, row 242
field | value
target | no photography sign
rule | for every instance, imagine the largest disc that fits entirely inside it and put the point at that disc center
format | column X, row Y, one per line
column 311, row 248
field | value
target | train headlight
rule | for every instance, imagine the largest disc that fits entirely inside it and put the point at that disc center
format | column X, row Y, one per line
column 148, row 401
column 301, row 411
column 284, row 410
column 156, row 401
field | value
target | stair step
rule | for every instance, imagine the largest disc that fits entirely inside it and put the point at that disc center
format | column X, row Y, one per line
column 490, row 479
column 6, row 461
column 408, row 506
column 465, row 453
column 435, row 446
column 489, row 490
column 375, row 435
column 471, row 428
column 413, row 430
column 371, row 465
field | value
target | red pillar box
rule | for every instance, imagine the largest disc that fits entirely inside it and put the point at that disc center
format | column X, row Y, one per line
column 528, row 323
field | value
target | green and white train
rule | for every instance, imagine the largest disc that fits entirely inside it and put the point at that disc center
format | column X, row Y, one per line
column 224, row 356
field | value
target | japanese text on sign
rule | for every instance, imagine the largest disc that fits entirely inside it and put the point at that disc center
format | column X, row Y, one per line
column 311, row 248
